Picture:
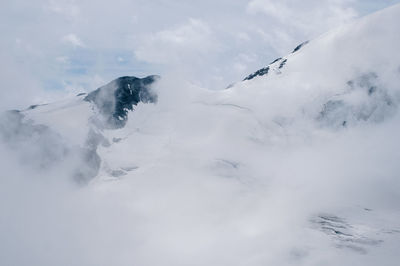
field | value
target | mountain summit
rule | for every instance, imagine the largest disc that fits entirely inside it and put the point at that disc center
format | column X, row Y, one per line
column 115, row 99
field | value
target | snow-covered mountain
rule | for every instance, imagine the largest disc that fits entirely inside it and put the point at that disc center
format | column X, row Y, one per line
column 294, row 165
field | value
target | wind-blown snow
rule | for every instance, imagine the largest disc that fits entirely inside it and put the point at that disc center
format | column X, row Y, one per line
column 296, row 167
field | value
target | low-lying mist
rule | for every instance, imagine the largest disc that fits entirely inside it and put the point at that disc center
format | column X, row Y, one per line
column 209, row 184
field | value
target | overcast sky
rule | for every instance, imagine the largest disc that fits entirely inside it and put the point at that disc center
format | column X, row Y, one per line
column 50, row 48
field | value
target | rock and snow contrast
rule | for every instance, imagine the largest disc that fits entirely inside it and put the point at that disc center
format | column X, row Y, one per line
column 295, row 165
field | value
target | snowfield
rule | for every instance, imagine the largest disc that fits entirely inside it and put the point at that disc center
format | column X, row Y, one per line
column 297, row 164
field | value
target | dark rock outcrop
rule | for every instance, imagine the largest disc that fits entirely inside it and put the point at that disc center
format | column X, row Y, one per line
column 261, row 72
column 282, row 61
column 115, row 99
column 298, row 47
column 282, row 64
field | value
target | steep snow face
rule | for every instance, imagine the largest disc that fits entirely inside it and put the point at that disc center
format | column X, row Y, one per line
column 346, row 76
column 297, row 166
column 69, row 118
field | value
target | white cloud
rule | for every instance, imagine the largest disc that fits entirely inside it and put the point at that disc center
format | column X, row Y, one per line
column 288, row 20
column 68, row 8
column 73, row 40
column 62, row 59
column 193, row 39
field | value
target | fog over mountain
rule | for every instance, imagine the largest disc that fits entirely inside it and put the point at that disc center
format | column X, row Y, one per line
column 295, row 163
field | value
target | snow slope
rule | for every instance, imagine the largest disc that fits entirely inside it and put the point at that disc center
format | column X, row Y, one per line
column 297, row 166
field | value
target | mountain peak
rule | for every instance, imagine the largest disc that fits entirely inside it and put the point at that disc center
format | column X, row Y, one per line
column 114, row 99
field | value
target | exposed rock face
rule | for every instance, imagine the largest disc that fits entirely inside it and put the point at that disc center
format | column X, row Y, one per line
column 298, row 47
column 261, row 72
column 120, row 95
column 276, row 65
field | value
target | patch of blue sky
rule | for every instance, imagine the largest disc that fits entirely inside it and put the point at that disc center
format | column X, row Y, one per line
column 80, row 64
column 53, row 84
